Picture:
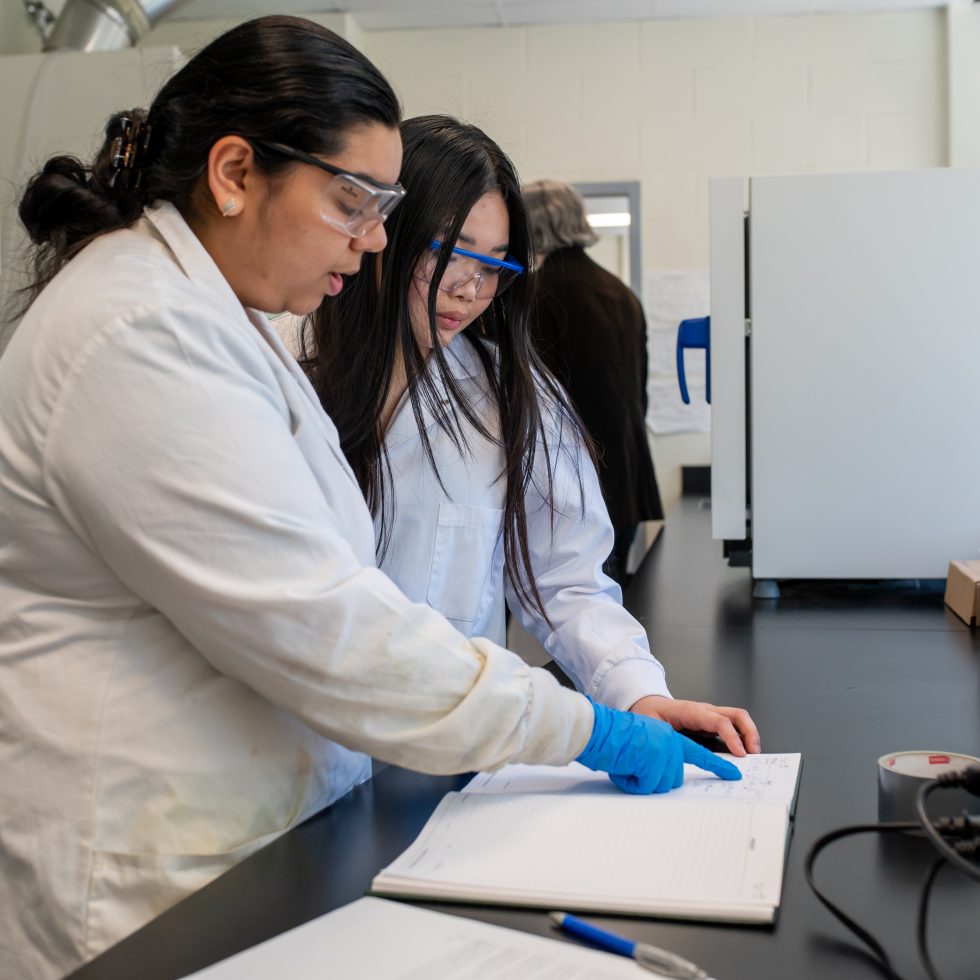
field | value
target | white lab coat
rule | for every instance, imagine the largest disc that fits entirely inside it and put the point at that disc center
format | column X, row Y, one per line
column 447, row 549
column 190, row 617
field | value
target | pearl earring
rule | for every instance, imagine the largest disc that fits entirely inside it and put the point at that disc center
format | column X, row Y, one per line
column 228, row 208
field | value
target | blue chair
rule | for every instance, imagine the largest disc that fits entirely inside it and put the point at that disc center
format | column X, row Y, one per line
column 694, row 334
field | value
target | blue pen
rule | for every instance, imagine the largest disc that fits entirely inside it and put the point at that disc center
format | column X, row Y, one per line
column 651, row 957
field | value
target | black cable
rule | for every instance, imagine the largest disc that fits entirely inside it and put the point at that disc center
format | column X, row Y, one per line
column 818, row 845
column 970, row 868
column 966, row 830
column 920, row 934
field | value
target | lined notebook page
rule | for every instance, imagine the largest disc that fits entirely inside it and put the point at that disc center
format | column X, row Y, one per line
column 598, row 851
column 764, row 777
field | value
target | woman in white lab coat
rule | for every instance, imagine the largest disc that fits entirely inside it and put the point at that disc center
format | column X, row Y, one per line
column 476, row 469
column 196, row 647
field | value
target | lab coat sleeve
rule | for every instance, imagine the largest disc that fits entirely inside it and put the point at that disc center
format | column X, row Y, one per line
column 170, row 455
column 601, row 646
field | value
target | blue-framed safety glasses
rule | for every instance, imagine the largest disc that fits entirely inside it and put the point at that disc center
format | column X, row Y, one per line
column 490, row 276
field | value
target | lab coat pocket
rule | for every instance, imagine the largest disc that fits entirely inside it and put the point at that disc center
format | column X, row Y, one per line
column 127, row 890
column 467, row 562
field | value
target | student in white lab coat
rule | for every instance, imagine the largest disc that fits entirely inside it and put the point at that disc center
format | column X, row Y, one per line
column 474, row 465
column 196, row 647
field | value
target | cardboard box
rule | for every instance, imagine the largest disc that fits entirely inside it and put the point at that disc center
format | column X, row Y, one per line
column 963, row 590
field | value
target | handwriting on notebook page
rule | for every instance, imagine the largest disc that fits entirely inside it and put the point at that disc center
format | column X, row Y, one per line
column 764, row 777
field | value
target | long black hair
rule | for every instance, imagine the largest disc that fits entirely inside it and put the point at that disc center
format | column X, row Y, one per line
column 351, row 345
column 281, row 79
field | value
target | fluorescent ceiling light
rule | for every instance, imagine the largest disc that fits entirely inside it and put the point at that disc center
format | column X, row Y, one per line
column 610, row 219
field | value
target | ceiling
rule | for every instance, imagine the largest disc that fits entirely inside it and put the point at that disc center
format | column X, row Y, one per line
column 374, row 15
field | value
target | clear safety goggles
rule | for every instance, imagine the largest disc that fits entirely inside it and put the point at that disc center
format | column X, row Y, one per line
column 351, row 203
column 490, row 276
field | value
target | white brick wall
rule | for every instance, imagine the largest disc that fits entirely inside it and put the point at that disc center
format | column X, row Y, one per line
column 675, row 103
column 668, row 102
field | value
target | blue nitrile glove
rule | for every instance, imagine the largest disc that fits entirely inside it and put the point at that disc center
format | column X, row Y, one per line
column 645, row 755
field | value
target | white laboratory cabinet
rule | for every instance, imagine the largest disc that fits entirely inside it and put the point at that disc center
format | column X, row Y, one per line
column 845, row 346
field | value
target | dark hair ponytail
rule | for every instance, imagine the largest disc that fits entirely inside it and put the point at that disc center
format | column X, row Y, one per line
column 279, row 79
column 68, row 203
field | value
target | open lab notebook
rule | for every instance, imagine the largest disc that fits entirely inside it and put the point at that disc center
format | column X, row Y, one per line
column 566, row 838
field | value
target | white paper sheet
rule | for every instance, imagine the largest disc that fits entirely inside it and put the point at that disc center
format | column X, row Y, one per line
column 379, row 940
column 667, row 413
column 672, row 295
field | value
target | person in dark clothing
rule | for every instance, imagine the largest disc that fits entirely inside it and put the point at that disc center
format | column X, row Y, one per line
column 591, row 333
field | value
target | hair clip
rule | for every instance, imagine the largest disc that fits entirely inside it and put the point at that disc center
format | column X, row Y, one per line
column 128, row 149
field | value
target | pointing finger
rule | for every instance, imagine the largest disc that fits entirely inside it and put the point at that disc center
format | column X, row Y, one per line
column 704, row 758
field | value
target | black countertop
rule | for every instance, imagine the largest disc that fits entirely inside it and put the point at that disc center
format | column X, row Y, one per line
column 842, row 673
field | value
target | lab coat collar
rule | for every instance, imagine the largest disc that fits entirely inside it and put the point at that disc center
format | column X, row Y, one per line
column 191, row 255
column 461, row 359
column 464, row 366
column 198, row 266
